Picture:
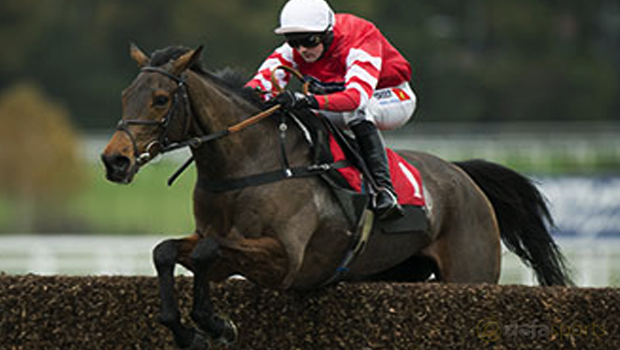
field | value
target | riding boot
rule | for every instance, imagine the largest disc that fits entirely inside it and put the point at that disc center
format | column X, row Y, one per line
column 373, row 152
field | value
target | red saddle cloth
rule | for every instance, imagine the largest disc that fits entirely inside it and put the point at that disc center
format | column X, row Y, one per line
column 405, row 177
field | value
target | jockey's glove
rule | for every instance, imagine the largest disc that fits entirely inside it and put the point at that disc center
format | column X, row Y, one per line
column 291, row 101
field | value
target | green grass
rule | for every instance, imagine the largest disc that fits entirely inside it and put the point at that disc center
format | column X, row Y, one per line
column 147, row 205
column 5, row 211
column 561, row 164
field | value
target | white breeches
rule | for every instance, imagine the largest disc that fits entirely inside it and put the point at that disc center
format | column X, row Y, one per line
column 388, row 109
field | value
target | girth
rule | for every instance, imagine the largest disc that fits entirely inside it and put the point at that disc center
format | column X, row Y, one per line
column 269, row 177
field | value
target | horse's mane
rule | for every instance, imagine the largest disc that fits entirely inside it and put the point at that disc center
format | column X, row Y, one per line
column 231, row 79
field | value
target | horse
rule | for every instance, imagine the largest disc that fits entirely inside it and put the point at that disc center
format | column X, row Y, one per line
column 292, row 234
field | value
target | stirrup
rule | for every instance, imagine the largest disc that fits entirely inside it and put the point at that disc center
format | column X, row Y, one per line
column 393, row 211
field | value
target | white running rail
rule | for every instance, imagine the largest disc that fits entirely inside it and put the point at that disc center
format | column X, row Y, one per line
column 595, row 262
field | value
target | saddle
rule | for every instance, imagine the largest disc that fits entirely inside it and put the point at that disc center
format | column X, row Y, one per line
column 352, row 185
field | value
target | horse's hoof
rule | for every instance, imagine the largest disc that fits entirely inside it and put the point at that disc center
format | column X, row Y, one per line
column 230, row 334
column 200, row 342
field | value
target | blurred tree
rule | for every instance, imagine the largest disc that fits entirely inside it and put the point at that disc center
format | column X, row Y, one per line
column 39, row 163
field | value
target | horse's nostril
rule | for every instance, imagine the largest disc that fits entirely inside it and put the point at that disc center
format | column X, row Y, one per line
column 116, row 162
column 121, row 162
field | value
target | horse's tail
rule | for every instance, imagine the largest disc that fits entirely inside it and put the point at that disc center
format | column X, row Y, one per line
column 523, row 217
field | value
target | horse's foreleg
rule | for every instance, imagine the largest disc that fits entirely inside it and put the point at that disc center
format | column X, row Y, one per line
column 261, row 259
column 165, row 257
column 203, row 258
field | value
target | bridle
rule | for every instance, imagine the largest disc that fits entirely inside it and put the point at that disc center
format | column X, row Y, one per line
column 180, row 94
column 162, row 144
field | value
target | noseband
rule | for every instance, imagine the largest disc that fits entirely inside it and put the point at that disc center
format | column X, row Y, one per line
column 162, row 144
column 180, row 94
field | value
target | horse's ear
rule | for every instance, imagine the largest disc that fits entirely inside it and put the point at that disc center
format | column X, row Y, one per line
column 186, row 61
column 139, row 56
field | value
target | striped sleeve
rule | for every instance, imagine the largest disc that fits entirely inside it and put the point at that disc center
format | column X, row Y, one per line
column 262, row 80
column 363, row 70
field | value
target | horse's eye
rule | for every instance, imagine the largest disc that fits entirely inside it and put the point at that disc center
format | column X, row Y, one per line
column 160, row 101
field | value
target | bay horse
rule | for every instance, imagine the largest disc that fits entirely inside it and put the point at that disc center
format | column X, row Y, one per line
column 291, row 234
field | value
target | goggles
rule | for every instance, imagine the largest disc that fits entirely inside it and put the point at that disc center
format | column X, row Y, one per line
column 307, row 40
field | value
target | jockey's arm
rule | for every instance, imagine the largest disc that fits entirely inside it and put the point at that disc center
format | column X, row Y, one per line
column 283, row 55
column 343, row 101
column 363, row 69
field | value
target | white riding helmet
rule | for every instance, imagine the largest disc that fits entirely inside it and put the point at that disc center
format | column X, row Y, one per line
column 305, row 16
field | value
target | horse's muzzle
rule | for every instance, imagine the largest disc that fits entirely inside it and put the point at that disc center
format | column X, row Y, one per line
column 119, row 168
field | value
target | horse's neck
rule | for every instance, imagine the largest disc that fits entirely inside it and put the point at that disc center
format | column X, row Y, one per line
column 245, row 152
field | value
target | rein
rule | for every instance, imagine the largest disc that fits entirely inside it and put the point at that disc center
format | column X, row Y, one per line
column 180, row 94
column 165, row 145
column 196, row 142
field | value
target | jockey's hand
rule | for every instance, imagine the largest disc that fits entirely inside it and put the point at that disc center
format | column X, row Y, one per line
column 291, row 101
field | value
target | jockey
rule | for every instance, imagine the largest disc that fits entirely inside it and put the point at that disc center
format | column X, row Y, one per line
column 358, row 80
